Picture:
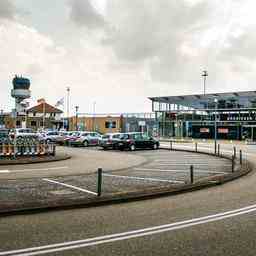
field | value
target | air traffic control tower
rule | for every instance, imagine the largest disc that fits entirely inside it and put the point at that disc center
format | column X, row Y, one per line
column 20, row 92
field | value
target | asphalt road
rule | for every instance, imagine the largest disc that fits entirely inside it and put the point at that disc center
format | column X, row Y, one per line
column 83, row 161
column 215, row 221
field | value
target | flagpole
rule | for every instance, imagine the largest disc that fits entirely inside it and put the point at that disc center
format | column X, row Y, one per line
column 44, row 115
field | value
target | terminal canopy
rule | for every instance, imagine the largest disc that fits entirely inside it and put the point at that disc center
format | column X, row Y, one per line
column 231, row 100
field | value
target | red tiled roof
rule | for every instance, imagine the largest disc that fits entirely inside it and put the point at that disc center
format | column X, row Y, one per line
column 48, row 109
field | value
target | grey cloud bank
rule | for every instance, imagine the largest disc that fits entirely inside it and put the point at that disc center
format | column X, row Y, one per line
column 7, row 9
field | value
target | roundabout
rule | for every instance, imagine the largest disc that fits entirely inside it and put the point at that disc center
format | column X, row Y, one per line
column 218, row 220
column 126, row 176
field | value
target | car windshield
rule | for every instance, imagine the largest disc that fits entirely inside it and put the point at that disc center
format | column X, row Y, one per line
column 106, row 136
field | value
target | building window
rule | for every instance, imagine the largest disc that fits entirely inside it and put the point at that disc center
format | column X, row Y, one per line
column 18, row 123
column 110, row 124
column 41, row 124
column 33, row 123
column 34, row 114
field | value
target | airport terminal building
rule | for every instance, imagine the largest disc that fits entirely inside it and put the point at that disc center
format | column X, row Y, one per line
column 194, row 116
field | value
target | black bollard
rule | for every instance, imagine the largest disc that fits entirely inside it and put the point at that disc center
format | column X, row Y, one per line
column 99, row 181
column 191, row 174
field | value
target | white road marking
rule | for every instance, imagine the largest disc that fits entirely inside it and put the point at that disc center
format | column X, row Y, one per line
column 71, row 245
column 40, row 169
column 188, row 164
column 195, row 171
column 4, row 171
column 70, row 186
column 141, row 178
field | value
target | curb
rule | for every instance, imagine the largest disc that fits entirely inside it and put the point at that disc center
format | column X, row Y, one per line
column 138, row 195
column 34, row 160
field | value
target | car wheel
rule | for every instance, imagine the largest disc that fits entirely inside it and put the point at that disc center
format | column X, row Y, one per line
column 86, row 144
column 132, row 147
column 155, row 146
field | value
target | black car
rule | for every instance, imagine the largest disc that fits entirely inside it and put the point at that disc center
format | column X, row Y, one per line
column 135, row 140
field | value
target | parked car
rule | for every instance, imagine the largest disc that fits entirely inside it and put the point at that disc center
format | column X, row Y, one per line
column 135, row 140
column 71, row 136
column 22, row 133
column 110, row 140
column 86, row 139
column 52, row 136
column 4, row 135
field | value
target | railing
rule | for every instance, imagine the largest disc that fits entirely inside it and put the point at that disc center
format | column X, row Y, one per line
column 26, row 147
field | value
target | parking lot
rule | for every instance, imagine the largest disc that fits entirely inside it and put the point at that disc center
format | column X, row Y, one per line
column 161, row 169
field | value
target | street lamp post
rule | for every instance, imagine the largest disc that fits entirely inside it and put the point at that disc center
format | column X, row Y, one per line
column 204, row 75
column 77, row 107
column 215, row 126
column 68, row 99
column 94, row 117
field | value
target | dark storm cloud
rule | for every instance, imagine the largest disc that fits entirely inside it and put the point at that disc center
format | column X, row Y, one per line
column 83, row 13
column 7, row 9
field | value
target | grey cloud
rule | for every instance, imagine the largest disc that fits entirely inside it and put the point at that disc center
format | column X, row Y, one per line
column 155, row 31
column 242, row 46
column 7, row 9
column 83, row 13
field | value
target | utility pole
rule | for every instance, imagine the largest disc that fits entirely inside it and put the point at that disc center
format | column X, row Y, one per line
column 94, row 117
column 215, row 126
column 76, row 107
column 204, row 75
column 68, row 102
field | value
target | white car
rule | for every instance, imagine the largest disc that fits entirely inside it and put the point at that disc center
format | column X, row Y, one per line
column 22, row 133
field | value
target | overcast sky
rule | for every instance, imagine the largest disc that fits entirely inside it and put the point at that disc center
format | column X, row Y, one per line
column 119, row 52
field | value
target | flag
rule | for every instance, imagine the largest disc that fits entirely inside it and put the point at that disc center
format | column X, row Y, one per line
column 60, row 102
column 42, row 100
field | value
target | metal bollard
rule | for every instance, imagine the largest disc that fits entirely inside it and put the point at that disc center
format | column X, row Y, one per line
column 54, row 150
column 233, row 163
column 170, row 145
column 218, row 149
column 234, row 152
column 99, row 186
column 196, row 146
column 241, row 157
column 191, row 174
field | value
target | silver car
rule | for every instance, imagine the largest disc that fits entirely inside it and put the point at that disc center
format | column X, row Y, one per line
column 110, row 140
column 86, row 139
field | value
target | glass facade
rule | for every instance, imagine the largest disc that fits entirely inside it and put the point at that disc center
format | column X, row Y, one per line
column 194, row 115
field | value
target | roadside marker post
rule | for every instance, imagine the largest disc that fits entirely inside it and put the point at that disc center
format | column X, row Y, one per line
column 191, row 174
column 241, row 157
column 234, row 152
column 99, row 185
column 233, row 163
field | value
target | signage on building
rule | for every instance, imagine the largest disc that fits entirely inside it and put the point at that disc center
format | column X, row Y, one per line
column 204, row 130
column 223, row 130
